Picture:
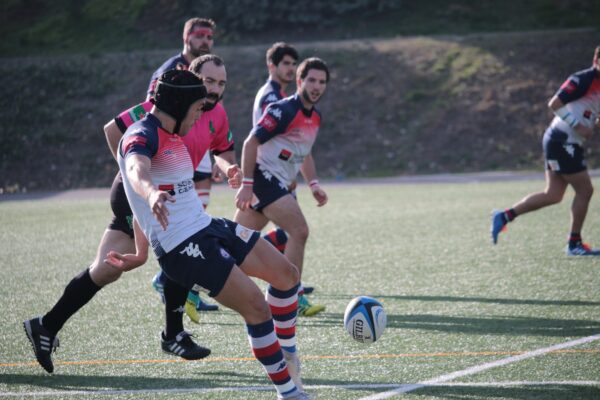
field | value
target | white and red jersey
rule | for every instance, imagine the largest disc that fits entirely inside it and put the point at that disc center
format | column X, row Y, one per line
column 286, row 133
column 171, row 170
column 210, row 132
column 269, row 93
column 581, row 95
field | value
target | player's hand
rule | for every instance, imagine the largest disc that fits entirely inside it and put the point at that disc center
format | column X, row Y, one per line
column 319, row 195
column 234, row 176
column 216, row 175
column 293, row 185
column 158, row 204
column 243, row 197
column 124, row 262
column 597, row 122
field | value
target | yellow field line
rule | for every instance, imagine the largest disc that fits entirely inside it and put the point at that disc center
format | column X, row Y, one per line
column 319, row 357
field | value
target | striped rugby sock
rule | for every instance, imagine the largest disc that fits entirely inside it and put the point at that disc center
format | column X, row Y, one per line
column 267, row 351
column 284, row 308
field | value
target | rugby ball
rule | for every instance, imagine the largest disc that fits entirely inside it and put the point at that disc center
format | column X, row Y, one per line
column 365, row 319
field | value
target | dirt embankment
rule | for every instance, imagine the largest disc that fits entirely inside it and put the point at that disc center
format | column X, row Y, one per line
column 414, row 105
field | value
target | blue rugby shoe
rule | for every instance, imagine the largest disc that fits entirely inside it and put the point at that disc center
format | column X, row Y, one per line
column 159, row 286
column 498, row 224
column 581, row 249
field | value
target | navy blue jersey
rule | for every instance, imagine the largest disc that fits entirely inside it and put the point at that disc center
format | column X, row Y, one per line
column 269, row 93
column 581, row 95
column 176, row 62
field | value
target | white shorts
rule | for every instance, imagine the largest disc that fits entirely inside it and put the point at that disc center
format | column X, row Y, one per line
column 205, row 165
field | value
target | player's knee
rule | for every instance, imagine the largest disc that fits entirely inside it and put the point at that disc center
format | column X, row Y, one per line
column 586, row 191
column 258, row 309
column 291, row 276
column 103, row 274
column 299, row 233
column 554, row 197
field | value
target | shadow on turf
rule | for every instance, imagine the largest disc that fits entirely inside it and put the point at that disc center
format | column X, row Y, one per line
column 58, row 381
column 498, row 325
column 554, row 392
column 493, row 325
column 487, row 300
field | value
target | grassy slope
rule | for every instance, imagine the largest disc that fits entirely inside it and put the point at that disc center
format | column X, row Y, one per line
column 394, row 106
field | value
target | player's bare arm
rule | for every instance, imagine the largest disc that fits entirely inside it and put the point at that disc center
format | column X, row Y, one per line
column 227, row 163
column 127, row 262
column 138, row 172
column 309, row 172
column 113, row 135
column 243, row 197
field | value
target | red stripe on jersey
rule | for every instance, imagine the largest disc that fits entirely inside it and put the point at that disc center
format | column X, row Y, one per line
column 166, row 187
column 267, row 351
column 569, row 86
column 133, row 141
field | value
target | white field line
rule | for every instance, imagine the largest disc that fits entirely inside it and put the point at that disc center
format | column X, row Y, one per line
column 479, row 368
column 64, row 393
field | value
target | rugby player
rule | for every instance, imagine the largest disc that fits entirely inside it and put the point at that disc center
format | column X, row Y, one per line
column 119, row 236
column 576, row 106
column 198, row 39
column 278, row 147
column 199, row 252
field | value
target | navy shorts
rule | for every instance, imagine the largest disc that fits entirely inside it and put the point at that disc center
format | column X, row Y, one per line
column 122, row 214
column 200, row 176
column 564, row 158
column 267, row 189
column 204, row 261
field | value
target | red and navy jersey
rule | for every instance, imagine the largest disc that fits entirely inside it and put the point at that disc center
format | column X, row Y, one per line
column 171, row 170
column 175, row 62
column 286, row 133
column 581, row 95
column 269, row 93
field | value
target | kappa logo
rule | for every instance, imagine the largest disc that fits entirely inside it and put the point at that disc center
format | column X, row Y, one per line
column 192, row 250
column 570, row 149
column 271, row 98
column 276, row 112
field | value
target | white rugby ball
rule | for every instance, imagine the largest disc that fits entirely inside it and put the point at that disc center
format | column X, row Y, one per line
column 365, row 319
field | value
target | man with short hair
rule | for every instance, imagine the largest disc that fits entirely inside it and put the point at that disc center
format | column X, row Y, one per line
column 282, row 59
column 278, row 147
column 576, row 106
column 119, row 235
column 195, row 250
column 198, row 39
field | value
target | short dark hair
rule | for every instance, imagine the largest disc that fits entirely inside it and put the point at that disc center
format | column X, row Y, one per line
column 198, row 62
column 278, row 50
column 312, row 63
column 192, row 23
